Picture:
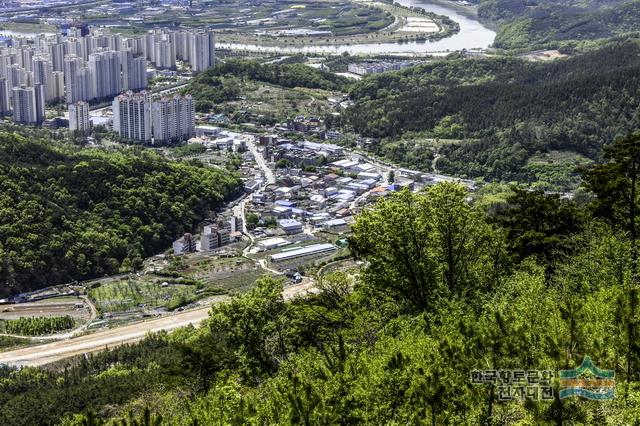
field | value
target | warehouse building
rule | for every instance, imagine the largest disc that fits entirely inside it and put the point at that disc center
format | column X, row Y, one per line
column 302, row 252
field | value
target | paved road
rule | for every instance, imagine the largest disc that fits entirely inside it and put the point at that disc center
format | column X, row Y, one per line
column 51, row 352
column 268, row 173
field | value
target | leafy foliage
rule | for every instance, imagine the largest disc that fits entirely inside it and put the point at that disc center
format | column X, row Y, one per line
column 220, row 83
column 503, row 111
column 36, row 326
column 446, row 287
column 550, row 23
column 71, row 214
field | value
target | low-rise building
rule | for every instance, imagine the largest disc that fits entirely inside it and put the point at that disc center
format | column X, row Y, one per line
column 303, row 252
column 272, row 243
column 335, row 225
column 185, row 244
column 209, row 241
column 290, row 226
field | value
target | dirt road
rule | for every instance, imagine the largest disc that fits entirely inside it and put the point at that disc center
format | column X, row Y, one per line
column 51, row 352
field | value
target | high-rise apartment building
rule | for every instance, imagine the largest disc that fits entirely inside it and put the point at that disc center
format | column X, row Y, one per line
column 203, row 51
column 132, row 116
column 74, row 90
column 173, row 119
column 164, row 56
column 28, row 104
column 105, row 73
column 42, row 75
column 79, row 117
column 57, row 85
column 134, row 71
column 5, row 103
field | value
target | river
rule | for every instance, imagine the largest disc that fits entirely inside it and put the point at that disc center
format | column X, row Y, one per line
column 472, row 35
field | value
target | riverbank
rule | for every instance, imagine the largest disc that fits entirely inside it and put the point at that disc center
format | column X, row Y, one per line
column 472, row 35
column 398, row 32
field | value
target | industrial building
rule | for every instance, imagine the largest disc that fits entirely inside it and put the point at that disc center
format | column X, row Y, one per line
column 302, row 252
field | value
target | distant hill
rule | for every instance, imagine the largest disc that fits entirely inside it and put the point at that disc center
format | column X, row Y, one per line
column 503, row 111
column 549, row 23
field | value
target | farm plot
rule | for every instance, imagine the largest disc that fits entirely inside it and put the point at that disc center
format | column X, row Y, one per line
column 133, row 295
column 73, row 307
column 234, row 274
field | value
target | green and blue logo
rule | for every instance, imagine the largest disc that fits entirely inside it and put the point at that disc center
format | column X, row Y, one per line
column 588, row 381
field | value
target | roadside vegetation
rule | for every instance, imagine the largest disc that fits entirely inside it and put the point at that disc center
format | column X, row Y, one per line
column 37, row 326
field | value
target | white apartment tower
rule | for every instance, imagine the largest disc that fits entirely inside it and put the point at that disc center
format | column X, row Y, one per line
column 57, row 85
column 173, row 119
column 28, row 104
column 56, row 54
column 164, row 56
column 42, row 75
column 5, row 104
column 79, row 117
column 132, row 116
column 134, row 71
column 74, row 90
column 203, row 51
column 105, row 72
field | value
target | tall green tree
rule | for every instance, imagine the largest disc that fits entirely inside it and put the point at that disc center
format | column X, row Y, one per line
column 420, row 247
column 616, row 185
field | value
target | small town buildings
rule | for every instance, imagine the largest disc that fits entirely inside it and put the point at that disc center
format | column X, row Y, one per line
column 335, row 225
column 272, row 243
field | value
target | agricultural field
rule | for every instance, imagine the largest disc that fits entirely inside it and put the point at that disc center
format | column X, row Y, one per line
column 175, row 282
column 274, row 103
column 56, row 307
column 147, row 293
column 228, row 274
column 326, row 17
column 37, row 326
column 7, row 343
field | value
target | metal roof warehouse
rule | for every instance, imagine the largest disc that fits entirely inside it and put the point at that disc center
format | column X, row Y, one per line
column 301, row 252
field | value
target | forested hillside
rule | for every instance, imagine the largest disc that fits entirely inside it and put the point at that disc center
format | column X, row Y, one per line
column 548, row 23
column 527, row 282
column 504, row 110
column 69, row 213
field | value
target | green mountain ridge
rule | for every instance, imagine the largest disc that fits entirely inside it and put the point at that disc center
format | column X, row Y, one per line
column 540, row 24
column 505, row 110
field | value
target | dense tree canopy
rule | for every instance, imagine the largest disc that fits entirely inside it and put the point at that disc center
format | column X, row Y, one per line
column 71, row 214
column 501, row 112
column 525, row 24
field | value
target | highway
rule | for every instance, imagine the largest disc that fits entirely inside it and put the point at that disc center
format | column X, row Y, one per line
column 47, row 353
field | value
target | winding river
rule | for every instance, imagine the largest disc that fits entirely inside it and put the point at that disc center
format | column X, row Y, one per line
column 472, row 35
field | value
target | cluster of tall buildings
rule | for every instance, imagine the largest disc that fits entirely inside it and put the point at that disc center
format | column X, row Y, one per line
column 139, row 117
column 82, row 67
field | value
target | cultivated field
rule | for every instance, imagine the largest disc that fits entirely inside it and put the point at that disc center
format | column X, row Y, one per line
column 47, row 308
